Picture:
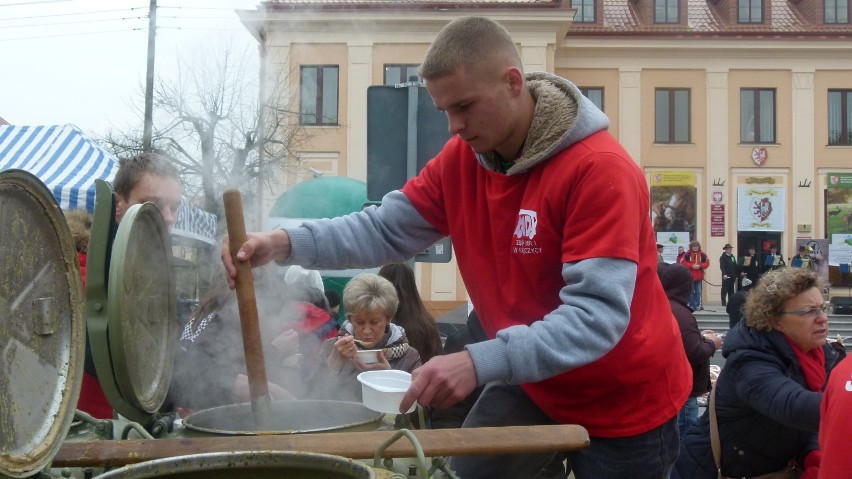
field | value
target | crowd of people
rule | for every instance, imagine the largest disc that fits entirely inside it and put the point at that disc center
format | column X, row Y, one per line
column 564, row 304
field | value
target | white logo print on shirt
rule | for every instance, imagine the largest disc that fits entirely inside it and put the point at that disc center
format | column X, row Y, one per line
column 525, row 232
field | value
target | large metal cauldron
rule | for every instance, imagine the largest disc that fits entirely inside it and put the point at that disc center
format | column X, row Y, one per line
column 288, row 417
column 247, row 465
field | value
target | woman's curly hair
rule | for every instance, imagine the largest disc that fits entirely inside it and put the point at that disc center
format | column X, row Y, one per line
column 766, row 300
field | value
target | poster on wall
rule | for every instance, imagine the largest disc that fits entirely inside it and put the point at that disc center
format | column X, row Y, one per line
column 672, row 243
column 841, row 249
column 673, row 202
column 761, row 208
column 838, row 205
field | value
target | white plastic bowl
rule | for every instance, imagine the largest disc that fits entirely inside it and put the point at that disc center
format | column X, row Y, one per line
column 382, row 391
column 367, row 356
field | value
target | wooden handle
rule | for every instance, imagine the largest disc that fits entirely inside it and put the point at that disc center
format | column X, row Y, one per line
column 258, row 387
column 354, row 445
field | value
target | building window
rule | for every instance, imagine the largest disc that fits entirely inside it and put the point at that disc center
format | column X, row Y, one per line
column 671, row 115
column 757, row 115
column 840, row 117
column 396, row 74
column 585, row 11
column 596, row 94
column 319, row 95
column 750, row 11
column 836, row 11
column 666, row 11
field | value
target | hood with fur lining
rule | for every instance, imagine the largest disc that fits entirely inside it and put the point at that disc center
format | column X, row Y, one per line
column 563, row 116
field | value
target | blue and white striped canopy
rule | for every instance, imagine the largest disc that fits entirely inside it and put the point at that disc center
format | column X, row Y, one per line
column 60, row 156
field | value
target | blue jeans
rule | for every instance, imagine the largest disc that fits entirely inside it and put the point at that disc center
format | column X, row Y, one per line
column 695, row 295
column 687, row 416
column 651, row 455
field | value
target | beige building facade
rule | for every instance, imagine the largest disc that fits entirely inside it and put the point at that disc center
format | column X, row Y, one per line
column 724, row 94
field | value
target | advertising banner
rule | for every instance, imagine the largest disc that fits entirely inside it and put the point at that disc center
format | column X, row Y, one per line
column 673, row 202
column 671, row 242
column 838, row 206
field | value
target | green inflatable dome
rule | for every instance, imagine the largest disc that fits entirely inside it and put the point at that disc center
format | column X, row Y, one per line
column 321, row 197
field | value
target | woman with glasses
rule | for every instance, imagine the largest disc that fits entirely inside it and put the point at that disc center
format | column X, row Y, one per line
column 767, row 398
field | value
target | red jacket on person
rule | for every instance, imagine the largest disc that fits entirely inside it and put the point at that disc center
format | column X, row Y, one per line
column 692, row 258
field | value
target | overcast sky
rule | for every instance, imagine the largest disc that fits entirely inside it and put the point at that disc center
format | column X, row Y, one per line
column 83, row 61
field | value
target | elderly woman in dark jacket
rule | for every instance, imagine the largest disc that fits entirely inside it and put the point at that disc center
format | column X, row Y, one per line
column 699, row 346
column 768, row 394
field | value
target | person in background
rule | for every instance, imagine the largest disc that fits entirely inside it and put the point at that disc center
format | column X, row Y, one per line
column 562, row 276
column 419, row 325
column 697, row 262
column 803, row 258
column 660, row 249
column 836, row 422
column 680, row 254
column 370, row 302
column 774, row 260
column 730, row 272
column 148, row 177
column 700, row 346
column 454, row 416
column 736, row 303
column 333, row 304
column 210, row 368
column 80, row 222
column 768, row 394
column 749, row 266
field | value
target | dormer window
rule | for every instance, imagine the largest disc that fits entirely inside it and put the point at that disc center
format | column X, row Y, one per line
column 585, row 11
column 750, row 11
column 836, row 11
column 666, row 11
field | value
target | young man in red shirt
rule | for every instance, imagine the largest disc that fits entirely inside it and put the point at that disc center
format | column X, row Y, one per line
column 549, row 220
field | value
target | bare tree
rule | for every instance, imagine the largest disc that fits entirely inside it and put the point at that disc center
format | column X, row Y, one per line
column 211, row 120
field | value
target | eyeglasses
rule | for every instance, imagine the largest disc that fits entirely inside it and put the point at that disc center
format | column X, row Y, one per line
column 811, row 313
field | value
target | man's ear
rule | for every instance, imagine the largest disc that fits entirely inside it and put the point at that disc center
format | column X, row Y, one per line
column 515, row 80
column 120, row 207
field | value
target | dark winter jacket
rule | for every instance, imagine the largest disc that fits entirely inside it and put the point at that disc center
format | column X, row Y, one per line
column 752, row 270
column 766, row 414
column 728, row 265
column 735, row 307
column 677, row 281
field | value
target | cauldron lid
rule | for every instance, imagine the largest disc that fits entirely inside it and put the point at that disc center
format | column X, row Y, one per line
column 42, row 333
column 132, row 338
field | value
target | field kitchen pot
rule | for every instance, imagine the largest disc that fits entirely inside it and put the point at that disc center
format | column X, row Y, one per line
column 246, row 465
column 288, row 417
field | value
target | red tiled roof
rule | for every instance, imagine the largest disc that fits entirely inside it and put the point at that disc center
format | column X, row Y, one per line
column 708, row 17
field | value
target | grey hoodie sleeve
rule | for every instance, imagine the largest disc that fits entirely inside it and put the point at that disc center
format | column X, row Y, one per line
column 395, row 231
column 593, row 317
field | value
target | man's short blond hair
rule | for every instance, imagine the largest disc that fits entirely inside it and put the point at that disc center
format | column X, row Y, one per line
column 476, row 43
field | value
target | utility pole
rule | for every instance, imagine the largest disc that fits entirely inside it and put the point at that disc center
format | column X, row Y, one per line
column 261, row 127
column 149, row 78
